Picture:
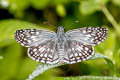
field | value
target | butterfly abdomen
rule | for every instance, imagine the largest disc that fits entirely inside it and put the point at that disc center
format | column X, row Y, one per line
column 60, row 46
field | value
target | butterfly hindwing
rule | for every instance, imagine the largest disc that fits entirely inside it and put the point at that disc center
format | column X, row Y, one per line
column 77, row 52
column 44, row 53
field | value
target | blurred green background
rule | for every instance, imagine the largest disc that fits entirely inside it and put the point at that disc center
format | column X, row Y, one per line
column 17, row 14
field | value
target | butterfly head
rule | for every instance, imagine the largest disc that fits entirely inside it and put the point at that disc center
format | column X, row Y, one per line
column 60, row 29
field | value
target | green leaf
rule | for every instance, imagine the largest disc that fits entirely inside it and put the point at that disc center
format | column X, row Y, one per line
column 90, row 6
column 111, row 67
column 116, row 2
column 27, row 65
column 56, row 2
column 17, row 7
column 61, row 10
column 109, row 62
column 51, row 73
column 10, row 63
column 40, row 69
column 39, row 4
column 8, row 27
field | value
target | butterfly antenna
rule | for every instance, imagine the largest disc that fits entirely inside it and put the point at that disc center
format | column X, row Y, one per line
column 71, row 24
column 50, row 24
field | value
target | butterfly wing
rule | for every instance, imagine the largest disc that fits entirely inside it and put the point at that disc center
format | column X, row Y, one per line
column 76, row 51
column 88, row 35
column 45, row 52
column 42, row 47
column 33, row 37
column 79, row 43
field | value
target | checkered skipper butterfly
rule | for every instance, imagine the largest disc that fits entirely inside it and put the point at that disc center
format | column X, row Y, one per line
column 71, row 47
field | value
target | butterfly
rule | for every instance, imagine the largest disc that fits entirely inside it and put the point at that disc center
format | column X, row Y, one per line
column 71, row 47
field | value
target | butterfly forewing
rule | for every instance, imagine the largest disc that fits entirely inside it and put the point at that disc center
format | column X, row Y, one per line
column 45, row 52
column 33, row 37
column 88, row 35
column 77, row 52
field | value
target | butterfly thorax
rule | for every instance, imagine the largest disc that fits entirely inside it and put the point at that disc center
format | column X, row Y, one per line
column 60, row 35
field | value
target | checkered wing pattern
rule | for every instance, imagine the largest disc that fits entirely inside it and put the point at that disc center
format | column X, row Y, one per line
column 76, row 51
column 33, row 37
column 44, row 53
column 42, row 47
column 88, row 35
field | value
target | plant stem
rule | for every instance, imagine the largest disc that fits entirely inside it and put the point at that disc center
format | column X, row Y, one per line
column 88, row 78
column 111, row 18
